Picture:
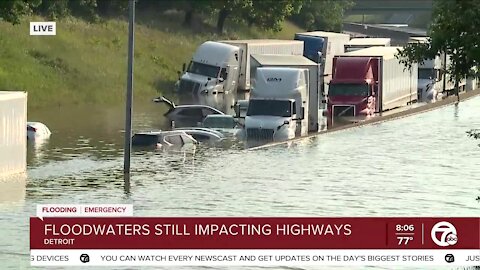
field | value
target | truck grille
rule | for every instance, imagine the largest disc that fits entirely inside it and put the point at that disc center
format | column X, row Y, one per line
column 188, row 87
column 260, row 134
column 343, row 111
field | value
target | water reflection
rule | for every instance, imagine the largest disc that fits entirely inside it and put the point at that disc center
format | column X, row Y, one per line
column 36, row 150
column 12, row 191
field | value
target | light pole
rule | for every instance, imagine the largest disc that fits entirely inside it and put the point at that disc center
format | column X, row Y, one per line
column 129, row 96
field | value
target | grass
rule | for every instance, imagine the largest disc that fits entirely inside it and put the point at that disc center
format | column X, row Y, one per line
column 86, row 63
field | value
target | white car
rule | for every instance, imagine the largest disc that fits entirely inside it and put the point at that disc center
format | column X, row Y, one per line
column 37, row 131
column 203, row 134
column 159, row 139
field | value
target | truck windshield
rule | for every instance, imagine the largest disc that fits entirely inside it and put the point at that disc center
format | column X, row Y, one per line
column 203, row 69
column 426, row 73
column 282, row 108
column 348, row 90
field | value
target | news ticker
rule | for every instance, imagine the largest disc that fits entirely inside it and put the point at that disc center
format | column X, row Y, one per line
column 292, row 258
column 110, row 235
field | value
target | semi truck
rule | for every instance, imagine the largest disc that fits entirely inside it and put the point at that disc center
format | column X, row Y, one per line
column 369, row 81
column 278, row 104
column 362, row 43
column 224, row 66
column 316, row 120
column 321, row 47
column 432, row 78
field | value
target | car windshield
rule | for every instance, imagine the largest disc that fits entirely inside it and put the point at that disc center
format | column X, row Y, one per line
column 426, row 73
column 282, row 108
column 203, row 69
column 219, row 122
column 348, row 90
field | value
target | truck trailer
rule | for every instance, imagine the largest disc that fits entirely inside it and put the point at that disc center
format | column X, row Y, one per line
column 321, row 47
column 433, row 81
column 362, row 43
column 370, row 81
column 278, row 104
column 316, row 120
column 224, row 66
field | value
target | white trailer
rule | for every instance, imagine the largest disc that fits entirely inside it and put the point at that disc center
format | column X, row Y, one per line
column 362, row 43
column 261, row 46
column 316, row 121
column 397, row 86
column 432, row 78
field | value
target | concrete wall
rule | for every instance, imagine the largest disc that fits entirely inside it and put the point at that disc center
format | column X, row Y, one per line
column 13, row 132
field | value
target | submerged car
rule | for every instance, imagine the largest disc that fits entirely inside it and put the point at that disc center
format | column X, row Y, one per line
column 203, row 134
column 223, row 123
column 37, row 131
column 176, row 138
column 187, row 115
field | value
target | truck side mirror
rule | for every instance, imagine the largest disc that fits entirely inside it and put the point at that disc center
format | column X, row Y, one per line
column 184, row 67
column 284, row 123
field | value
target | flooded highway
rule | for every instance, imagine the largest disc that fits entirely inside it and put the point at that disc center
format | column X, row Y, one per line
column 421, row 165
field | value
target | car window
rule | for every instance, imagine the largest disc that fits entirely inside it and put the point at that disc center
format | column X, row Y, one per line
column 208, row 112
column 200, row 137
column 223, row 73
column 191, row 112
column 174, row 139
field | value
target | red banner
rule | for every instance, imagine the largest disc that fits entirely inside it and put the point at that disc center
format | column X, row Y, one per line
column 254, row 233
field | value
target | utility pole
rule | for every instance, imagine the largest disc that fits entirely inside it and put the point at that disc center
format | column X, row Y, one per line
column 444, row 68
column 129, row 96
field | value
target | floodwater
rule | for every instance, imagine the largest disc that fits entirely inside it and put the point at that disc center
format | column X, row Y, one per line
column 422, row 165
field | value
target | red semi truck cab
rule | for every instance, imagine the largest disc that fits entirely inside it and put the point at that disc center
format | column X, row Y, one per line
column 353, row 91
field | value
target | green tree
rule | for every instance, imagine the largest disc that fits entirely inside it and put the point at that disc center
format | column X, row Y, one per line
column 326, row 15
column 53, row 9
column 455, row 30
column 191, row 8
column 13, row 10
column 269, row 14
column 84, row 8
column 111, row 7
column 232, row 8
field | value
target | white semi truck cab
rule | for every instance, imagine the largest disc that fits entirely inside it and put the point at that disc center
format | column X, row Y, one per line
column 224, row 66
column 213, row 69
column 278, row 105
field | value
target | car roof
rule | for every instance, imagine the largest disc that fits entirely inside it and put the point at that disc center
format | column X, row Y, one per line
column 197, row 106
column 219, row 116
column 199, row 130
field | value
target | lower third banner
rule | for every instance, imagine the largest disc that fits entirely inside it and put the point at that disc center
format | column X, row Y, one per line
column 137, row 241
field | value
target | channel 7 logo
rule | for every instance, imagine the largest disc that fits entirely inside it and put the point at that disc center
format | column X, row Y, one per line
column 444, row 234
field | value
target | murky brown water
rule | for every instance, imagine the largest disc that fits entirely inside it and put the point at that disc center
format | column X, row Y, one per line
column 423, row 165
